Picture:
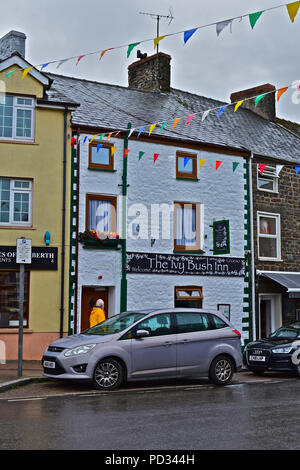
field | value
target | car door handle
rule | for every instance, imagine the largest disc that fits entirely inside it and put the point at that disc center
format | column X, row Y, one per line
column 168, row 343
column 184, row 341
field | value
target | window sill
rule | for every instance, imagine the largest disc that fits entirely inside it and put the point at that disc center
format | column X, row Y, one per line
column 14, row 331
column 22, row 142
column 16, row 227
column 275, row 260
column 102, row 169
column 184, row 178
column 190, row 252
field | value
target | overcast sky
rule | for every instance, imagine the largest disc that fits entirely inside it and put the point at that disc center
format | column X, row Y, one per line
column 207, row 65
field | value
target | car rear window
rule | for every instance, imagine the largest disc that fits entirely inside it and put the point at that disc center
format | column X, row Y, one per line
column 190, row 322
column 219, row 323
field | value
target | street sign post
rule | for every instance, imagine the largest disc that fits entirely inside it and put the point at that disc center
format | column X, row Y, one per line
column 24, row 248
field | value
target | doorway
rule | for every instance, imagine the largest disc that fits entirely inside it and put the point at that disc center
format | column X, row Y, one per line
column 89, row 297
column 270, row 317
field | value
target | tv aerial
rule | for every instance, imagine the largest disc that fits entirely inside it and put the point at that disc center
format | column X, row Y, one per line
column 158, row 17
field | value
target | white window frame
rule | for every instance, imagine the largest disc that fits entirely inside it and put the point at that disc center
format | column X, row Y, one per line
column 199, row 226
column 271, row 174
column 12, row 191
column 269, row 236
column 16, row 107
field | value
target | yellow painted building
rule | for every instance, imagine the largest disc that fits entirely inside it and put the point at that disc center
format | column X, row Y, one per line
column 35, row 156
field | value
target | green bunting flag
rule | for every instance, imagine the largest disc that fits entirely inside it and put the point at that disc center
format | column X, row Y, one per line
column 163, row 125
column 254, row 17
column 141, row 154
column 130, row 47
column 258, row 98
column 9, row 73
column 234, row 166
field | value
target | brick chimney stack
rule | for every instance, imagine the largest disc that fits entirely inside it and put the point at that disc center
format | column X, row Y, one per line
column 151, row 73
column 14, row 41
column 265, row 108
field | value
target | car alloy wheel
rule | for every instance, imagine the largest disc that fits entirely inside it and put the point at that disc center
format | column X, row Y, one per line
column 108, row 375
column 221, row 371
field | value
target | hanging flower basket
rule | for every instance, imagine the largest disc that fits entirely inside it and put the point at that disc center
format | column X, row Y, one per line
column 101, row 240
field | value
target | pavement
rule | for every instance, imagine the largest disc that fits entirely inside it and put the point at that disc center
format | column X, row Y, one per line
column 32, row 374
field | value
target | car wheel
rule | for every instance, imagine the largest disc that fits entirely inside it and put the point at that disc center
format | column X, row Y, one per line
column 108, row 375
column 221, row 370
column 298, row 370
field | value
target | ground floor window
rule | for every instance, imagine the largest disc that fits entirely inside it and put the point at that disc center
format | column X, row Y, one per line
column 9, row 299
column 188, row 297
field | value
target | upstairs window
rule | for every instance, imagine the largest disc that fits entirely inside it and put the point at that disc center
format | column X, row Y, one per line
column 269, row 236
column 101, row 213
column 186, row 165
column 15, row 202
column 188, row 226
column 16, row 118
column 101, row 158
column 268, row 181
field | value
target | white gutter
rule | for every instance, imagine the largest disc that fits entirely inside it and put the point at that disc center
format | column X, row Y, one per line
column 252, row 249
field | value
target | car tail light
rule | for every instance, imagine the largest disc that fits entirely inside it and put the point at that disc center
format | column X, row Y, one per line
column 237, row 333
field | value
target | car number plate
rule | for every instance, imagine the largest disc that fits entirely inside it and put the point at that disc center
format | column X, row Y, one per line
column 257, row 358
column 49, row 364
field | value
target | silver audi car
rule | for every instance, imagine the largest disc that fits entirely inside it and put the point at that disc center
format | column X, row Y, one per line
column 147, row 344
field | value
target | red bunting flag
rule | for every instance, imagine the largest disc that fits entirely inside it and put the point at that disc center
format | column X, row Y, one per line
column 218, row 164
column 156, row 155
column 73, row 140
column 189, row 118
column 126, row 152
column 79, row 59
column 261, row 168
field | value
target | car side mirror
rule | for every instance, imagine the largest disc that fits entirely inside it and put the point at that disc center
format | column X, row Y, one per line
column 141, row 334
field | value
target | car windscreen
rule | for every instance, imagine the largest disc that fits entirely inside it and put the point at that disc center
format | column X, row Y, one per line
column 286, row 333
column 115, row 324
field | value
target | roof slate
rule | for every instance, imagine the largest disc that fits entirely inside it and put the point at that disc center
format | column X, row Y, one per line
column 112, row 107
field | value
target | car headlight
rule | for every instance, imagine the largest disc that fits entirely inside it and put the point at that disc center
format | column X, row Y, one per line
column 284, row 350
column 79, row 350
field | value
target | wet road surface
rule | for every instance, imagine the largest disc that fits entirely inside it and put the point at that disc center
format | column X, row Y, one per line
column 240, row 416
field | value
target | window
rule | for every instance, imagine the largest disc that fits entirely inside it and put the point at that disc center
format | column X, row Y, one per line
column 268, row 181
column 188, row 227
column 101, row 213
column 157, row 326
column 191, row 322
column 9, row 299
column 188, row 297
column 186, row 165
column 101, row 158
column 16, row 118
column 269, row 236
column 219, row 323
column 15, row 202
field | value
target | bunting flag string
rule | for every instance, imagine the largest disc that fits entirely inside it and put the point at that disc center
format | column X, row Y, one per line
column 292, row 9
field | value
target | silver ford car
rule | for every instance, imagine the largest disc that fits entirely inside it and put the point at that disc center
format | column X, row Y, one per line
column 148, row 344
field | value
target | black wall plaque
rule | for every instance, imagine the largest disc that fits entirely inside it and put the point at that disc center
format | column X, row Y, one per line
column 42, row 258
column 156, row 263
column 221, row 237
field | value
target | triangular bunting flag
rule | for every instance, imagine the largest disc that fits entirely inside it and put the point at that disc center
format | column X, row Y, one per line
column 297, row 168
column 126, row 152
column 239, row 103
column 205, row 114
column 130, row 132
column 113, row 149
column 254, row 17
column 44, row 66
column 109, row 136
column 218, row 164
column 261, row 167
column 258, row 98
column 101, row 136
column 278, row 169
column 234, row 166
column 221, row 110
column 201, row 162
column 9, row 73
column 141, row 154
column 292, row 9
column 99, row 147
column 130, row 47
column 156, row 155
column 61, row 62
column 117, row 133
column 84, row 140
column 141, row 130
column 156, row 40
column 222, row 25
column 79, row 59
column 163, row 125
column 151, row 128
column 103, row 52
column 73, row 140
column 26, row 72
column 185, row 162
column 189, row 118
column 281, row 91
column 176, row 122
column 188, row 34
column 93, row 138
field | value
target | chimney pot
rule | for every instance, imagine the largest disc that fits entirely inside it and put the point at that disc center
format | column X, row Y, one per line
column 12, row 42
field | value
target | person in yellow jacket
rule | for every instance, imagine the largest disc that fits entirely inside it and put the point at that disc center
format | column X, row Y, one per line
column 97, row 314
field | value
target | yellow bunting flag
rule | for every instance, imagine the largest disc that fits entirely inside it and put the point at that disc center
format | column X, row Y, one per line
column 239, row 103
column 93, row 138
column 201, row 163
column 292, row 9
column 281, row 91
column 156, row 40
column 176, row 122
column 113, row 149
column 151, row 128
column 26, row 72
